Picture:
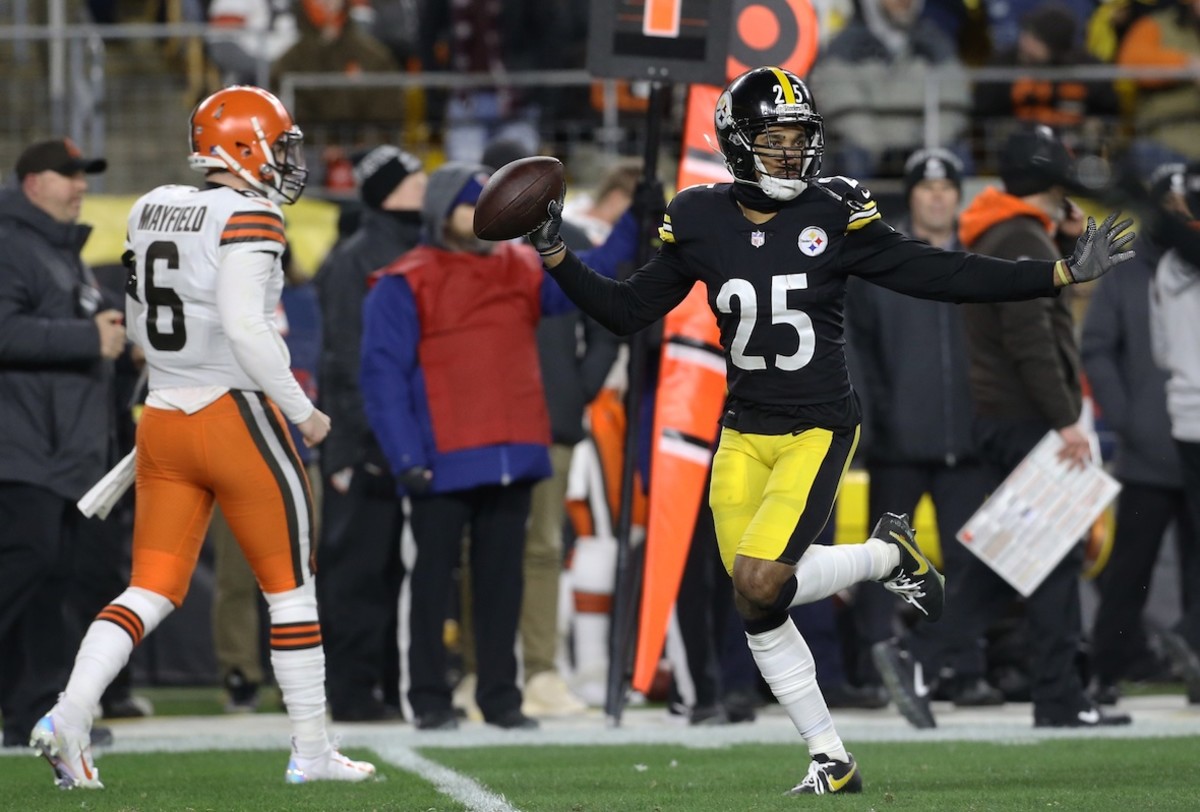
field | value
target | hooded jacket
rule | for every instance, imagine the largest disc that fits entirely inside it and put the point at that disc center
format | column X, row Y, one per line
column 450, row 374
column 342, row 285
column 56, row 409
column 1024, row 360
column 1175, row 316
column 869, row 80
column 1129, row 388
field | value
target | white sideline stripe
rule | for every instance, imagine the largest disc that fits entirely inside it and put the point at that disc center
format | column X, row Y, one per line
column 474, row 796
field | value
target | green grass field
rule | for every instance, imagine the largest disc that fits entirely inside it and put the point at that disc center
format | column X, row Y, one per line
column 648, row 765
column 1096, row 775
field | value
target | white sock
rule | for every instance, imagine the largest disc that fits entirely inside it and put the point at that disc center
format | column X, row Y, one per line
column 105, row 649
column 826, row 570
column 298, row 660
column 787, row 664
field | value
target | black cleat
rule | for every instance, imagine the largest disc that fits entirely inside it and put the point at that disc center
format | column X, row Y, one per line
column 916, row 580
column 437, row 720
column 514, row 720
column 1091, row 716
column 827, row 775
column 1183, row 658
column 975, row 692
column 904, row 679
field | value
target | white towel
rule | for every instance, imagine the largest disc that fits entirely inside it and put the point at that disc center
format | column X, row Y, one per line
column 104, row 494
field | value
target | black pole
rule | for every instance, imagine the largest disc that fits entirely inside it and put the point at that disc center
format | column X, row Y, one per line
column 627, row 594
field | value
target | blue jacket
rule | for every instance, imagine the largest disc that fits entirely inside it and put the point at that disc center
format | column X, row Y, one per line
column 393, row 385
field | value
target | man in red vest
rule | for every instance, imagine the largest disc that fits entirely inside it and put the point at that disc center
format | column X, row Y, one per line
column 453, row 391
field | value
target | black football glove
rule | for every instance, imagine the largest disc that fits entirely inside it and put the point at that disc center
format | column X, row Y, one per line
column 1098, row 250
column 545, row 237
column 415, row 480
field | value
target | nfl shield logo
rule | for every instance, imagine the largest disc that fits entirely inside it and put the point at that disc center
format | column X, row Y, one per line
column 757, row 238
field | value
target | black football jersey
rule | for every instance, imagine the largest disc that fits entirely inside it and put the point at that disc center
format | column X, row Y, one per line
column 777, row 290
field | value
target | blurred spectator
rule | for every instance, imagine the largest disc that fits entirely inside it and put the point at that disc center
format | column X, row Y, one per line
column 328, row 44
column 1131, row 393
column 397, row 24
column 909, row 448
column 1024, row 375
column 1111, row 20
column 871, row 82
column 575, row 354
column 1175, row 325
column 598, row 210
column 457, row 315
column 964, row 24
column 236, row 619
column 1006, row 21
column 154, row 11
column 468, row 462
column 248, row 36
column 1048, row 39
column 58, row 339
column 484, row 36
column 359, row 554
column 1166, row 116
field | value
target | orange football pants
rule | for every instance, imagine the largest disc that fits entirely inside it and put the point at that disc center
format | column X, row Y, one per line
column 236, row 450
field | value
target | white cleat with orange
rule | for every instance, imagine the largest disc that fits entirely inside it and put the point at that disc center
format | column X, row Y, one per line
column 332, row 766
column 68, row 751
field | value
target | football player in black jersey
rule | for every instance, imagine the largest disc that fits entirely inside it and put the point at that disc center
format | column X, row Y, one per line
column 774, row 249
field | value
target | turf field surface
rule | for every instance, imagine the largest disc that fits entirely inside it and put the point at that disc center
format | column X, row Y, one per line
column 985, row 759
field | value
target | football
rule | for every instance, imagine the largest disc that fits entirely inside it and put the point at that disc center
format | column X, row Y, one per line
column 514, row 201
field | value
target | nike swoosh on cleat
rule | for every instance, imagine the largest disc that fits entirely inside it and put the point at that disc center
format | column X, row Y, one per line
column 836, row 784
column 1089, row 717
column 919, row 686
column 922, row 564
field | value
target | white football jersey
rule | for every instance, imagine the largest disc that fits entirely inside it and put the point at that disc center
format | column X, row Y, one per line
column 179, row 236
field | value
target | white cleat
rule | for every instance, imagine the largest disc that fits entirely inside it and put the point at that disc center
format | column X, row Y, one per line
column 332, row 766
column 69, row 753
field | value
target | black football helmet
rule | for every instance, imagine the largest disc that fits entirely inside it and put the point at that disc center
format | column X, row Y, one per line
column 755, row 102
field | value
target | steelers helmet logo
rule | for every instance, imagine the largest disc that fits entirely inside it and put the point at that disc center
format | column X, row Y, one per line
column 813, row 240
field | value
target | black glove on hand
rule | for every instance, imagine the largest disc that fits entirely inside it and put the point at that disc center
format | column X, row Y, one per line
column 545, row 237
column 1098, row 250
column 415, row 480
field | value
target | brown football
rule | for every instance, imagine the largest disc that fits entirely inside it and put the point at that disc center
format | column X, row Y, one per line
column 514, row 200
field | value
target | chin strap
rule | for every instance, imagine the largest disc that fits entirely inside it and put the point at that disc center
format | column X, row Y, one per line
column 780, row 188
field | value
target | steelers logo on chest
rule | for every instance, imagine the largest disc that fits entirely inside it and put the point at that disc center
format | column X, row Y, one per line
column 813, row 240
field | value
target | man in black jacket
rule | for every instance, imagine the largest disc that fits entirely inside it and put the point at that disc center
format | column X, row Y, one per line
column 58, row 338
column 916, row 435
column 359, row 553
column 1131, row 392
column 1024, row 383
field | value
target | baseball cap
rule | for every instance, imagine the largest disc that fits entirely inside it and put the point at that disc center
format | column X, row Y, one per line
column 1033, row 160
column 59, row 155
column 932, row 164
